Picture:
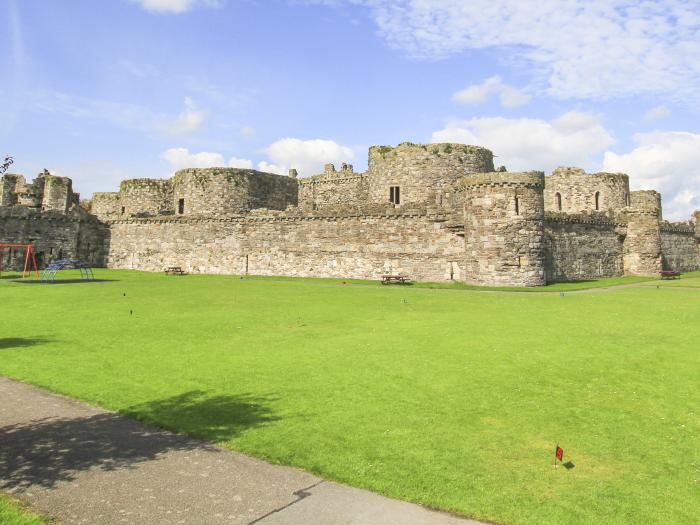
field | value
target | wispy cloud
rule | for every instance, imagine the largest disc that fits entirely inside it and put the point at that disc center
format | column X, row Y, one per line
column 576, row 49
column 176, row 6
column 132, row 116
column 475, row 94
column 187, row 122
column 657, row 113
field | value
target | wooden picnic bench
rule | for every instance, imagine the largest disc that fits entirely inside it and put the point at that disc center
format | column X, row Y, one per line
column 670, row 274
column 401, row 279
column 175, row 270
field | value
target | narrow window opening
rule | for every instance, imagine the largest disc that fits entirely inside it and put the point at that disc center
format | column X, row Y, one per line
column 395, row 195
column 597, row 201
column 123, row 210
column 517, row 205
column 181, row 206
column 557, row 199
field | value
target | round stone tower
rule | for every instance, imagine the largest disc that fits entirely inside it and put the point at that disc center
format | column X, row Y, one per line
column 230, row 191
column 421, row 171
column 504, row 229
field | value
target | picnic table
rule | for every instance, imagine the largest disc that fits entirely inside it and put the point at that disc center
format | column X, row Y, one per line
column 401, row 279
column 175, row 270
column 670, row 274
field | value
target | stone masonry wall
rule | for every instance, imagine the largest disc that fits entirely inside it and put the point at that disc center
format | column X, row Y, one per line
column 333, row 188
column 362, row 247
column 217, row 192
column 146, row 197
column 54, row 236
column 642, row 249
column 679, row 247
column 580, row 247
column 578, row 189
column 423, row 172
column 504, row 229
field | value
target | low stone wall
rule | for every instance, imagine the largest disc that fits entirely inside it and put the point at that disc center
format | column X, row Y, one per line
column 582, row 247
column 360, row 247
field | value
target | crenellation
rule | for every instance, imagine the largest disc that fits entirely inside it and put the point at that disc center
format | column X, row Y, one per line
column 433, row 211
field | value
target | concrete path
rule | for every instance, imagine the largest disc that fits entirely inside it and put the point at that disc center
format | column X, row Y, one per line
column 79, row 464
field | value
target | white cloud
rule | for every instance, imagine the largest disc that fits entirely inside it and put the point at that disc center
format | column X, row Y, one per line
column 240, row 163
column 666, row 161
column 180, row 158
column 272, row 168
column 657, row 113
column 574, row 138
column 307, row 156
column 186, row 122
column 579, row 48
column 479, row 93
column 176, row 6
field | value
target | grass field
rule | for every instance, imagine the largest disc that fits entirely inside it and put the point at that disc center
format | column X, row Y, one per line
column 451, row 399
column 13, row 512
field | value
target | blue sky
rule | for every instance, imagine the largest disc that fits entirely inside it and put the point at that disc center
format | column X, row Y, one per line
column 102, row 91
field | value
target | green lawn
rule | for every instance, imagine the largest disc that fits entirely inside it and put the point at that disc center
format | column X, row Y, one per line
column 12, row 512
column 690, row 280
column 452, row 399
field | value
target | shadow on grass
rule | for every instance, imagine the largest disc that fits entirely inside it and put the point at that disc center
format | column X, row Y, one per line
column 217, row 418
column 48, row 451
column 71, row 281
column 19, row 342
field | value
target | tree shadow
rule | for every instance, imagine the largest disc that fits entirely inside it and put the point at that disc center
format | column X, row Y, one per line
column 48, row 451
column 19, row 342
column 216, row 418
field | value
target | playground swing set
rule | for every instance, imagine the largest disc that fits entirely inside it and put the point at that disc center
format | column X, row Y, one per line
column 48, row 275
column 29, row 257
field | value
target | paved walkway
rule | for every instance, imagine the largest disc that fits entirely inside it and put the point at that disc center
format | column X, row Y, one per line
column 80, row 464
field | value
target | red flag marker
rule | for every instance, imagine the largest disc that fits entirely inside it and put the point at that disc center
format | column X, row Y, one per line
column 558, row 455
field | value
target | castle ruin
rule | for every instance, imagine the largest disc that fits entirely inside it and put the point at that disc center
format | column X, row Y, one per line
column 436, row 212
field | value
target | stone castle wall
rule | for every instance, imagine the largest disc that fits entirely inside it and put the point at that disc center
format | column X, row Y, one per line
column 583, row 246
column 423, row 172
column 54, row 236
column 679, row 247
column 345, row 246
column 456, row 219
column 333, row 188
column 504, row 229
column 210, row 192
column 572, row 190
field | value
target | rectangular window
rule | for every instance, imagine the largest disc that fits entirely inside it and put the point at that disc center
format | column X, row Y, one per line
column 395, row 195
column 517, row 206
column 123, row 210
column 181, row 206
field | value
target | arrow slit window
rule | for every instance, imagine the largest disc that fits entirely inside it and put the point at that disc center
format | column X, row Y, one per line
column 395, row 195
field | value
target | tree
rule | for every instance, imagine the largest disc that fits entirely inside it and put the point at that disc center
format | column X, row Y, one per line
column 6, row 164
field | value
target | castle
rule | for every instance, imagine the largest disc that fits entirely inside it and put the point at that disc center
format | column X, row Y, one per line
column 436, row 212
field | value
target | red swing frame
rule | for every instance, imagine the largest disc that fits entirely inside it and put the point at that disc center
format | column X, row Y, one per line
column 29, row 256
